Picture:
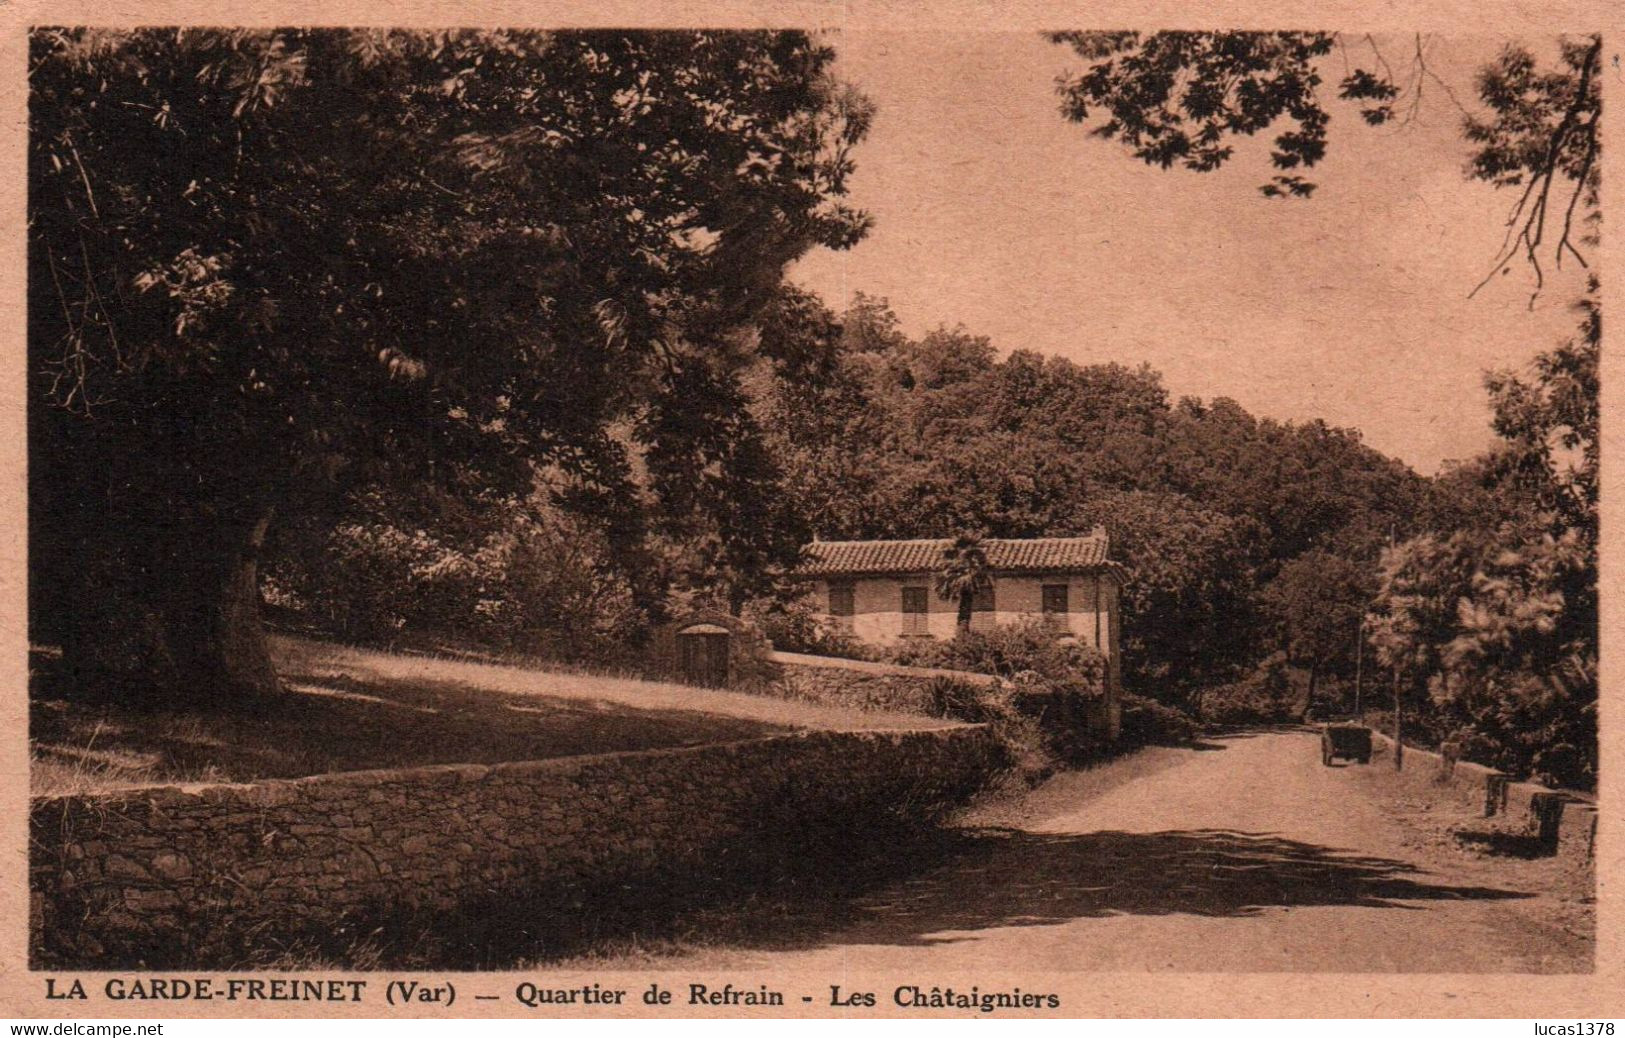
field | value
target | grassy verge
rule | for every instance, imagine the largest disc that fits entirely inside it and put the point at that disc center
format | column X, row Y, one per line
column 352, row 709
column 349, row 710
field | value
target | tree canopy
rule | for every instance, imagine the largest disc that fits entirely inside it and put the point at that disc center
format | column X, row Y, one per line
column 267, row 262
column 1204, row 502
column 1186, row 97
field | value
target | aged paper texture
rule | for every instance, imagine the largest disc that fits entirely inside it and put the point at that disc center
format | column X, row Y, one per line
column 802, row 509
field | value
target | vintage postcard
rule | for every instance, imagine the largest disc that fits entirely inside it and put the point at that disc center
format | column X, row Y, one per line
column 809, row 510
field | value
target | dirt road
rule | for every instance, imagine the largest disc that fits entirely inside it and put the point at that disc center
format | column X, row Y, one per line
column 1247, row 855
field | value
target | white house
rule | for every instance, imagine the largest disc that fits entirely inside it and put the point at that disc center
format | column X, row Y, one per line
column 885, row 591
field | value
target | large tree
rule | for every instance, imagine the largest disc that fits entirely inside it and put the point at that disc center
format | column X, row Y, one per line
column 1317, row 603
column 263, row 263
column 1496, row 617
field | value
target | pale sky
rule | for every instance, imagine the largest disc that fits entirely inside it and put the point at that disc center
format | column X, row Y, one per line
column 993, row 211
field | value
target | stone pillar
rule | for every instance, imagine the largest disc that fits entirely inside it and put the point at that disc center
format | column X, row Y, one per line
column 1548, row 811
column 1495, row 793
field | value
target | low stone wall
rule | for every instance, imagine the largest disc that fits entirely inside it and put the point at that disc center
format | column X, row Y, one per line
column 865, row 685
column 1464, row 783
column 211, row 875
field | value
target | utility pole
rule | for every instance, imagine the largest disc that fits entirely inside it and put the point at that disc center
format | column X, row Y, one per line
column 1359, row 660
column 1399, row 746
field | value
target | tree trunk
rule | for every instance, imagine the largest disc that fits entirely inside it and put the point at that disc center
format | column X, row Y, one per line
column 178, row 623
column 213, row 626
column 964, row 610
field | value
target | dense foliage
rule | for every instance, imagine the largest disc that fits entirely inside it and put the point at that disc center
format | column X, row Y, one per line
column 268, row 267
column 1027, row 655
column 1492, row 623
column 524, row 576
column 1267, row 695
column 1204, row 503
column 1485, row 614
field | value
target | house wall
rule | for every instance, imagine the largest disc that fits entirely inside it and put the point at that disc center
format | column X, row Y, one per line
column 1093, row 617
column 1092, row 603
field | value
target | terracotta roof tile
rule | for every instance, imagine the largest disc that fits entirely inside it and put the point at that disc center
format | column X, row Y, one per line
column 1004, row 555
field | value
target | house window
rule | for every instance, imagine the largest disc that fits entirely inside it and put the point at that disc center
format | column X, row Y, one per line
column 1054, row 604
column 842, row 605
column 983, row 607
column 916, row 618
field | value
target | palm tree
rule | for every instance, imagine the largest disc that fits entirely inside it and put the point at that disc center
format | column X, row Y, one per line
column 964, row 574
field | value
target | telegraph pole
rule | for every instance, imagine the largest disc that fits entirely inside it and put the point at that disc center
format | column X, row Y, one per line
column 1399, row 747
column 1359, row 660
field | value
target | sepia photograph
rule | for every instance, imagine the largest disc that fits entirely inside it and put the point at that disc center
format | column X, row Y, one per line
column 804, row 519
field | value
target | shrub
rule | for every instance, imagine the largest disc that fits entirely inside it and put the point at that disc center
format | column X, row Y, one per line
column 522, row 576
column 1147, row 722
column 1269, row 695
column 797, row 626
column 1053, row 678
column 1023, row 741
column 1028, row 649
column 965, row 701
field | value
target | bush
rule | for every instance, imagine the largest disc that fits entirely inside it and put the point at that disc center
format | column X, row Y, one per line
column 797, row 626
column 1028, row 651
column 1269, row 695
column 1147, row 722
column 972, row 703
column 1023, row 741
column 520, row 576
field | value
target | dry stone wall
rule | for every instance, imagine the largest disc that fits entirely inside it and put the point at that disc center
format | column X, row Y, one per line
column 865, row 685
column 206, row 875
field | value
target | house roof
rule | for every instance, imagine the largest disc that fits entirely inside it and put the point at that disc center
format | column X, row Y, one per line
column 1004, row 556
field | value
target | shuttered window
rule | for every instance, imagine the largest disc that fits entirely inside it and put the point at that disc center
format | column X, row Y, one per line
column 842, row 604
column 983, row 606
column 916, row 611
column 1054, row 605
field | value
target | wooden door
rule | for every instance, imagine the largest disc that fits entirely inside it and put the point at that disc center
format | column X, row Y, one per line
column 703, row 659
column 716, row 660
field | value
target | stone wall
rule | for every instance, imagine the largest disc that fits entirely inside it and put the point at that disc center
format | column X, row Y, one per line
column 213, row 875
column 886, row 686
column 865, row 685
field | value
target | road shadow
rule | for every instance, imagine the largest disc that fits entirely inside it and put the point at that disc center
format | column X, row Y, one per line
column 840, row 890
column 1002, row 878
column 947, row 891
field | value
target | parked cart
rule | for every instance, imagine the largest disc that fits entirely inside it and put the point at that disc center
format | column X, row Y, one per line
column 1348, row 741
